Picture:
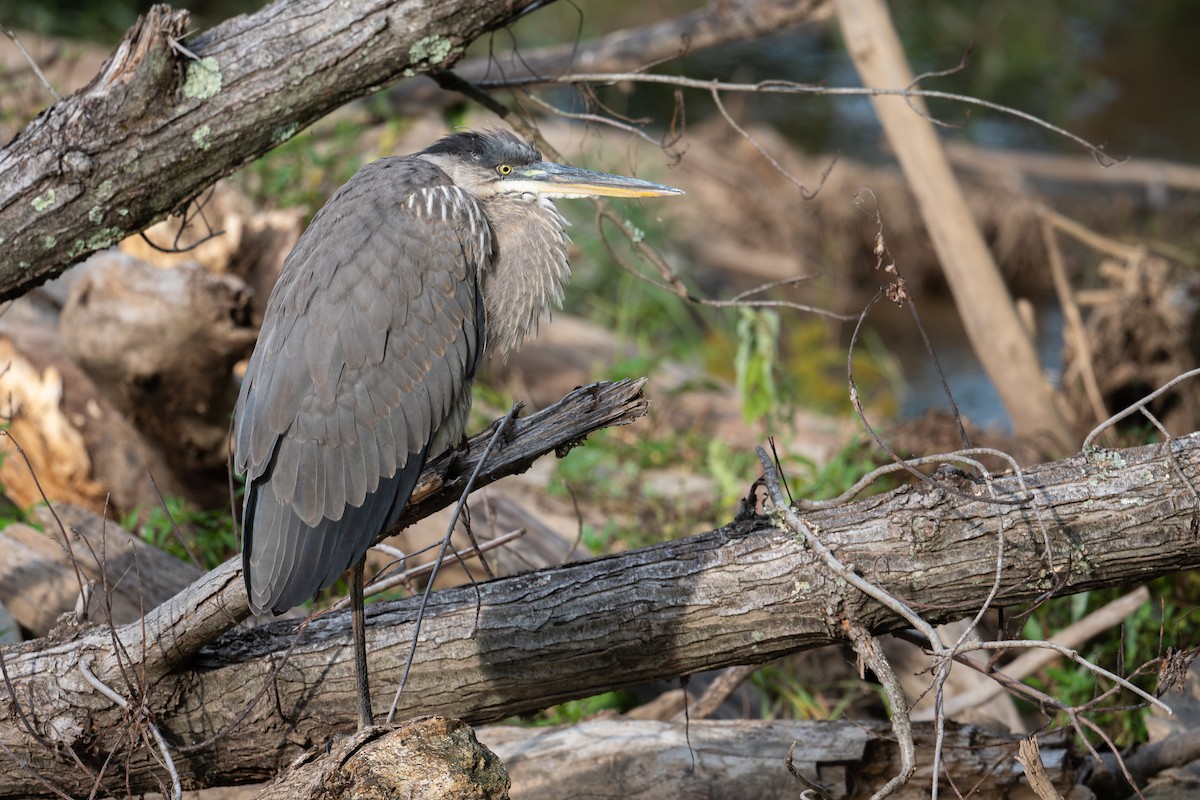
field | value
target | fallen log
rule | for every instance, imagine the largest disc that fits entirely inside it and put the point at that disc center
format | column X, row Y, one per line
column 620, row 758
column 63, row 675
column 746, row 593
column 81, row 449
column 171, row 111
column 161, row 343
column 40, row 573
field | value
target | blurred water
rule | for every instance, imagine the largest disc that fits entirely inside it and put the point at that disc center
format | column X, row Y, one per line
column 973, row 391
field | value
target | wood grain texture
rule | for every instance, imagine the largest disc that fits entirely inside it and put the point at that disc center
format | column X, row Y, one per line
column 746, row 593
column 155, row 128
column 622, row 758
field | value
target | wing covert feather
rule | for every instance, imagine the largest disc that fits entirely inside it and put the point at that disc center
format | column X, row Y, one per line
column 362, row 369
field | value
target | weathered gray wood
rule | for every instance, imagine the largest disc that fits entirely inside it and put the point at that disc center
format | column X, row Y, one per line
column 53, row 691
column 426, row 759
column 154, row 128
column 746, row 593
column 38, row 581
column 733, row 759
column 161, row 343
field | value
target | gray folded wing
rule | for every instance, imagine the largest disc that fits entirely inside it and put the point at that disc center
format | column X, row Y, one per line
column 362, row 370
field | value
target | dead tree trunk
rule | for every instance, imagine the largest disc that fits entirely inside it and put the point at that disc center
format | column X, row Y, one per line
column 997, row 336
column 170, row 113
column 746, row 593
column 620, row 758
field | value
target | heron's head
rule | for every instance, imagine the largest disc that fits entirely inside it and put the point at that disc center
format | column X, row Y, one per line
column 492, row 162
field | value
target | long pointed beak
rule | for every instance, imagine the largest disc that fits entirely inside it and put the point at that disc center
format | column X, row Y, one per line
column 559, row 180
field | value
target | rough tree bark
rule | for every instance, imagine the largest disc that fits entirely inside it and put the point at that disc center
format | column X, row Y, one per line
column 135, row 656
column 425, row 759
column 623, row 758
column 166, row 116
column 716, row 24
column 746, row 593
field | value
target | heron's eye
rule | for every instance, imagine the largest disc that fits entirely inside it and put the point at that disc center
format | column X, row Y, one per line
column 504, row 169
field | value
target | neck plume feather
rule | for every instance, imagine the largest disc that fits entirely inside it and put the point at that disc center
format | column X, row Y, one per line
column 530, row 269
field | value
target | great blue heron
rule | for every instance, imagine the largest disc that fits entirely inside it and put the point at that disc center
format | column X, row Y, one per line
column 370, row 342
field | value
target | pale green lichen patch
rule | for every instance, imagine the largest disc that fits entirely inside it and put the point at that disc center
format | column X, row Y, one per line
column 48, row 242
column 124, row 212
column 104, row 237
column 203, row 79
column 434, row 49
column 286, row 132
column 43, row 201
column 200, row 137
column 96, row 215
column 408, row 72
column 1105, row 458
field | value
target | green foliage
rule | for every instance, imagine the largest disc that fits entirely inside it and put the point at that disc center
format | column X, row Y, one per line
column 814, row 481
column 177, row 527
column 732, row 471
column 573, row 711
column 609, row 474
column 10, row 512
column 306, row 169
column 785, row 696
column 653, row 319
column 757, row 361
column 1165, row 622
column 806, row 369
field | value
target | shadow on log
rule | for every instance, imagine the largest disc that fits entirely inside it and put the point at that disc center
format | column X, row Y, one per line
column 746, row 593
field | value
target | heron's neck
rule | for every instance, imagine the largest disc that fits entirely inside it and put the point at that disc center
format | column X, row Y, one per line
column 529, row 270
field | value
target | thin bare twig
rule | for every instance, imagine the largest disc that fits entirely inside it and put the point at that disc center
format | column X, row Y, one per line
column 805, row 192
column 501, row 427
column 1030, row 757
column 789, row 87
column 1074, row 319
column 789, row 519
column 37, row 70
column 812, row 790
column 143, row 712
column 1125, row 412
column 871, row 653
column 379, row 585
column 1113, row 613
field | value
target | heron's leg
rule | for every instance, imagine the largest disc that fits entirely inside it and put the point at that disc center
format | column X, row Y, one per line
column 358, row 622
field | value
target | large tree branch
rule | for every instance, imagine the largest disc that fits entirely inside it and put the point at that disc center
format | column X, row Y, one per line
column 166, row 117
column 719, row 22
column 63, row 668
column 746, row 593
